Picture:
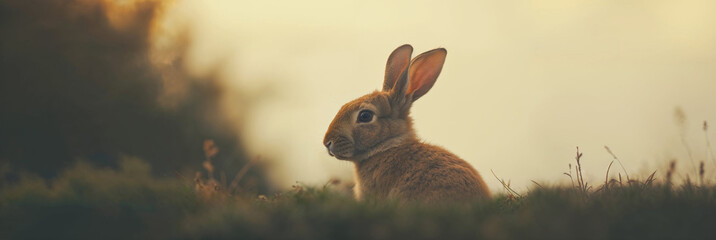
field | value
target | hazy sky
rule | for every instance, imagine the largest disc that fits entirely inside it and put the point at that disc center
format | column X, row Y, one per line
column 525, row 82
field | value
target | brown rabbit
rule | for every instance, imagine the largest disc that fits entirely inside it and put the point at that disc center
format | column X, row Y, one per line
column 375, row 132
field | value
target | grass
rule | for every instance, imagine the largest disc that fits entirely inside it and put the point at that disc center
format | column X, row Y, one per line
column 88, row 202
column 92, row 203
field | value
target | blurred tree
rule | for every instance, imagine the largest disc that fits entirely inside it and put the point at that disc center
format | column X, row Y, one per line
column 73, row 85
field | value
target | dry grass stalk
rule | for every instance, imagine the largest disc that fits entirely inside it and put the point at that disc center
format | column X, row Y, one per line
column 701, row 173
column 606, row 177
column 332, row 182
column 709, row 150
column 570, row 175
column 582, row 184
column 670, row 172
column 233, row 187
column 680, row 118
column 539, row 185
column 649, row 180
column 511, row 192
column 618, row 161
column 210, row 189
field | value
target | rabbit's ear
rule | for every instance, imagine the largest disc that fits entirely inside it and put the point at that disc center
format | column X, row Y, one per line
column 424, row 71
column 397, row 64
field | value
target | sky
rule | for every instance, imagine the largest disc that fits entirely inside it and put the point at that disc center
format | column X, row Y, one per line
column 524, row 83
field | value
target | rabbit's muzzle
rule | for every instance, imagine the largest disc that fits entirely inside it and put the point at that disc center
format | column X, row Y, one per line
column 339, row 147
column 328, row 147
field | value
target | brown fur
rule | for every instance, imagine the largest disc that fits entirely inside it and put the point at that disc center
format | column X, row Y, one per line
column 390, row 161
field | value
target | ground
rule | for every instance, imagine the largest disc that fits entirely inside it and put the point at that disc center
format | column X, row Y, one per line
column 86, row 202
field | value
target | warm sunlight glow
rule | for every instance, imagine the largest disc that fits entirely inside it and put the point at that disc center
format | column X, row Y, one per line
column 226, row 119
column 523, row 84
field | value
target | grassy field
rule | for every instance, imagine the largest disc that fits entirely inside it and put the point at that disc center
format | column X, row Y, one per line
column 86, row 202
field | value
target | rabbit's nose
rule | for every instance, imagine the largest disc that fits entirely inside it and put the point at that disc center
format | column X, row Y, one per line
column 328, row 147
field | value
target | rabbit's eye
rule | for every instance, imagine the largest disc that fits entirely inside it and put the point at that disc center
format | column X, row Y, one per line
column 365, row 116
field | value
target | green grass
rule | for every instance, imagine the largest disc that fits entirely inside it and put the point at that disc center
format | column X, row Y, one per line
column 91, row 203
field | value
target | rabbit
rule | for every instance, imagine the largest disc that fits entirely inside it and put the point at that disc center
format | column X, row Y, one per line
column 376, row 133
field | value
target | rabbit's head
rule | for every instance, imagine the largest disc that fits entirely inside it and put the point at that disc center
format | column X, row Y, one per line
column 379, row 121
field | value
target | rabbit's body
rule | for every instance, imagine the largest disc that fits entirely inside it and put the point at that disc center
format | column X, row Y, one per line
column 375, row 132
column 414, row 170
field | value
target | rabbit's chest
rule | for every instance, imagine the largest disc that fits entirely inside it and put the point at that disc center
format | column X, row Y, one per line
column 378, row 181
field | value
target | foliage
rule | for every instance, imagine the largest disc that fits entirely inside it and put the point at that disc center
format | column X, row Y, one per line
column 88, row 202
